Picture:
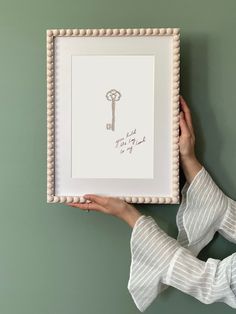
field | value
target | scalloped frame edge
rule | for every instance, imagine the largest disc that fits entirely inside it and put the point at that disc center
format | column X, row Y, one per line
column 51, row 34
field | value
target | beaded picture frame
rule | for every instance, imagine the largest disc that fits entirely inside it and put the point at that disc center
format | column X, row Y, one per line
column 61, row 187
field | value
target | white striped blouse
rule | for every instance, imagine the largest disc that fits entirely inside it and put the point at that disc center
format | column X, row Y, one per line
column 159, row 261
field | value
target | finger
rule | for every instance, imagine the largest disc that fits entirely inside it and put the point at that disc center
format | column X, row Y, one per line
column 183, row 125
column 91, row 206
column 187, row 114
column 86, row 206
column 100, row 200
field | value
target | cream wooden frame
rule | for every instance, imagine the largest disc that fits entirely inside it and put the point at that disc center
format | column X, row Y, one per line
column 51, row 34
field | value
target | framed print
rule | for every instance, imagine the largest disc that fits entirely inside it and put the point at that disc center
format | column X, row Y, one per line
column 113, row 114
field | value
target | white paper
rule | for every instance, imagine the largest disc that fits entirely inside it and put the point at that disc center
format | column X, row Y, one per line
column 126, row 152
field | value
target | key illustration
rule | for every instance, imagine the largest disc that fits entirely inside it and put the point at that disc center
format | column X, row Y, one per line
column 112, row 95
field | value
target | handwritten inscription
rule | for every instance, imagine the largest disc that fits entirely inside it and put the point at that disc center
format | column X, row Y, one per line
column 128, row 142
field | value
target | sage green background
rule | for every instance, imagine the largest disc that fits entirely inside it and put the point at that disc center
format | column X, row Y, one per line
column 60, row 260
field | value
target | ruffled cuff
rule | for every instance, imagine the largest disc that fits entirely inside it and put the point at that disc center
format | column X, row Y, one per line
column 202, row 207
column 151, row 253
column 228, row 224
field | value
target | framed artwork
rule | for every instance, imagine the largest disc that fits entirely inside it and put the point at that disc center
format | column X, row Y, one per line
column 113, row 114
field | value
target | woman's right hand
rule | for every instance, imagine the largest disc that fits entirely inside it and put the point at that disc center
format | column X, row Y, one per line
column 188, row 160
column 110, row 205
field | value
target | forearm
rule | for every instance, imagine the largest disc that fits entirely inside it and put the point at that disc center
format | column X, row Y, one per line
column 130, row 215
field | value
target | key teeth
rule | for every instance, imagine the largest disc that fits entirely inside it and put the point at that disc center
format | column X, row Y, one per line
column 109, row 127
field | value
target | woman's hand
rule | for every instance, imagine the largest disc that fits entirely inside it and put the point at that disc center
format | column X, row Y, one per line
column 110, row 205
column 189, row 162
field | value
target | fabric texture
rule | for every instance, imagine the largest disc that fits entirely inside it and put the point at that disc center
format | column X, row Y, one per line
column 157, row 260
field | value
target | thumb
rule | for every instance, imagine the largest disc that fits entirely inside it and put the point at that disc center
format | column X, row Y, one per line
column 100, row 200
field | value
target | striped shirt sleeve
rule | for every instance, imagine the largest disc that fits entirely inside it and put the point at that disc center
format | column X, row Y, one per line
column 159, row 261
column 204, row 209
column 210, row 281
column 151, row 253
column 227, row 226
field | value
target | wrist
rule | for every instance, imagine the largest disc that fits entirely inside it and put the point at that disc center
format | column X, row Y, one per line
column 191, row 166
column 130, row 215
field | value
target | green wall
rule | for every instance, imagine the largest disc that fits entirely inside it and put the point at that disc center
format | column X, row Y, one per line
column 60, row 260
